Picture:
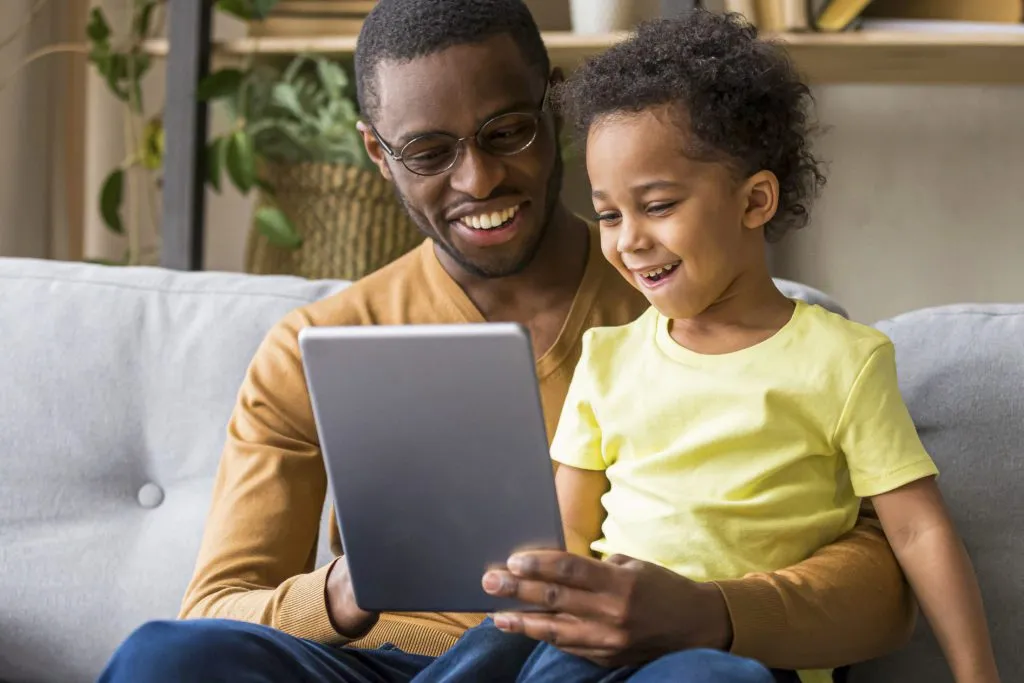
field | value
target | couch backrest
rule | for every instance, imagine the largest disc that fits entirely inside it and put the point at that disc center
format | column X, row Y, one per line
column 115, row 388
column 961, row 371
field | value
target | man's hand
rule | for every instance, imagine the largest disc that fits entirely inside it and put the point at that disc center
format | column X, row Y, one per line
column 346, row 617
column 615, row 613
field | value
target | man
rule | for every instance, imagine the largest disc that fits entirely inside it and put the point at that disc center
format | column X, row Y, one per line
column 454, row 100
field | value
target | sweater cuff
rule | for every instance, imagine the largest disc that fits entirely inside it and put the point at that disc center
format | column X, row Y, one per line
column 757, row 613
column 303, row 611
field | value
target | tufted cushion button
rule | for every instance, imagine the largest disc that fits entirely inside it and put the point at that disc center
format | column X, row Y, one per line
column 150, row 495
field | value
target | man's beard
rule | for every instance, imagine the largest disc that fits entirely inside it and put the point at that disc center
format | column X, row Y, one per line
column 551, row 199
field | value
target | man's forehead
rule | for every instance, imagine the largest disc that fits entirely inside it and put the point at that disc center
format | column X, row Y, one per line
column 455, row 87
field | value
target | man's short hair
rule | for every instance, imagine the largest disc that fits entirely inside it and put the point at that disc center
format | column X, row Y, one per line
column 403, row 30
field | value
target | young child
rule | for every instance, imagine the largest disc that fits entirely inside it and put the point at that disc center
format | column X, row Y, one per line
column 729, row 429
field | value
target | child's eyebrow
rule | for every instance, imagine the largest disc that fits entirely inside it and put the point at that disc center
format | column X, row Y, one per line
column 655, row 185
column 642, row 188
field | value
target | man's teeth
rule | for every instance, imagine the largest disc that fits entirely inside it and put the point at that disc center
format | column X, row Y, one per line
column 487, row 221
column 660, row 271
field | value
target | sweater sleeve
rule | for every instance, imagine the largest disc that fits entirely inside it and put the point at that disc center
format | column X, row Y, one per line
column 256, row 560
column 847, row 603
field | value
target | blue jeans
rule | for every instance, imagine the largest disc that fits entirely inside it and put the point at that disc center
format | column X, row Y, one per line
column 216, row 651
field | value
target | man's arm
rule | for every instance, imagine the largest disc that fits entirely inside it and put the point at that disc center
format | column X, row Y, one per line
column 256, row 562
column 847, row 603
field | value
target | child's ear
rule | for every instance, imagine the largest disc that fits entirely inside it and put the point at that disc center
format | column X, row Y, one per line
column 761, row 192
column 374, row 150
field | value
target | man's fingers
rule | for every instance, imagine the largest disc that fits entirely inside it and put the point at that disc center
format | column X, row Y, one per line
column 552, row 597
column 563, row 568
column 563, row 630
column 620, row 560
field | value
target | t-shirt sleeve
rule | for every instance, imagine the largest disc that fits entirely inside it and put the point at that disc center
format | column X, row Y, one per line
column 876, row 433
column 577, row 440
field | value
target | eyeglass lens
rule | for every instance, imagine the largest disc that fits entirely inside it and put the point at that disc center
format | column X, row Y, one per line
column 503, row 136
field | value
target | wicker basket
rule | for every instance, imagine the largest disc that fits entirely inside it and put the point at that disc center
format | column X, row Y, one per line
column 350, row 221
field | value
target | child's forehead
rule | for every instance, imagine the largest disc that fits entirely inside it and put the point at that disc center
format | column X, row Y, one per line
column 647, row 151
column 655, row 132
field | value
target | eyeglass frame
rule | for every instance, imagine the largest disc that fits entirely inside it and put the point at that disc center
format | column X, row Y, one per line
column 460, row 142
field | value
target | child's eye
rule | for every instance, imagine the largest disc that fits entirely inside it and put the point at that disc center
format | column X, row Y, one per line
column 661, row 208
column 608, row 217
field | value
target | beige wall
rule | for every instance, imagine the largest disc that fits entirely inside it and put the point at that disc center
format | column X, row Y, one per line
column 923, row 206
column 26, row 151
column 925, row 199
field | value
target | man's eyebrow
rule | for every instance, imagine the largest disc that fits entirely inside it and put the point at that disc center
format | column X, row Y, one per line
column 515, row 107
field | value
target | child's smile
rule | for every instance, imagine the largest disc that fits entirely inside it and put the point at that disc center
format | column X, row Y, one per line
column 654, row 276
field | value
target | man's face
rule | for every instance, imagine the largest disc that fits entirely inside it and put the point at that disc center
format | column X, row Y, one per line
column 488, row 212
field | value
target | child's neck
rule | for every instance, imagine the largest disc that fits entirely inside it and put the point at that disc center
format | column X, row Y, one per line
column 748, row 312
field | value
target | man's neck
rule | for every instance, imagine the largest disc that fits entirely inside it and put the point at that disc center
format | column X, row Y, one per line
column 552, row 276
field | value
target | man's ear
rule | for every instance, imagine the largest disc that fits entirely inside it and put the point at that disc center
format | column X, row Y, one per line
column 376, row 153
column 760, row 193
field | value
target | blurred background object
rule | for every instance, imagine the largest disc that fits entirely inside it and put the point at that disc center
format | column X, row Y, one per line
column 920, row 101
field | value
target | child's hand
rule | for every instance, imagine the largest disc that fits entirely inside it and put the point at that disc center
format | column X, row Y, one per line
column 614, row 613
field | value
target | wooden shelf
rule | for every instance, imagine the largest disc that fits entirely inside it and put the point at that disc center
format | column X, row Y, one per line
column 854, row 57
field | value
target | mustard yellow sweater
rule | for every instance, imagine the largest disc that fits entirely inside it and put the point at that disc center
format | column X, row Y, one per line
column 257, row 557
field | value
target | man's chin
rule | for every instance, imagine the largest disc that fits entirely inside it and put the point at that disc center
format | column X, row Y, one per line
column 490, row 268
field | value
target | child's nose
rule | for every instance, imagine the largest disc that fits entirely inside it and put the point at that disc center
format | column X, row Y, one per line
column 631, row 237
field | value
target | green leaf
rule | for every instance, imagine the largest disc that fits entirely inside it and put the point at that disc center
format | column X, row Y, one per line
column 275, row 226
column 97, row 29
column 261, row 8
column 241, row 161
column 215, row 161
column 153, row 144
column 333, row 78
column 142, row 63
column 219, row 85
column 294, row 67
column 265, row 187
column 144, row 17
column 237, row 8
column 116, row 70
column 111, row 195
column 284, row 95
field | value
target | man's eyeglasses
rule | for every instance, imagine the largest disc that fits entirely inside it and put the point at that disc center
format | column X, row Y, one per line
column 435, row 153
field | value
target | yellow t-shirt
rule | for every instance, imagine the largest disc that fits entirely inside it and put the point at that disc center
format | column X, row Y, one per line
column 722, row 465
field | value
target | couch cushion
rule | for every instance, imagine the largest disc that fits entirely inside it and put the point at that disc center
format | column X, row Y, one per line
column 115, row 388
column 961, row 372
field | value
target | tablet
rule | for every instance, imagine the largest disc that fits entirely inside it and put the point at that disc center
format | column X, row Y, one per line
column 435, row 449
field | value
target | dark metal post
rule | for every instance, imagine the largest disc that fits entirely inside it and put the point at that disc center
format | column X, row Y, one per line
column 188, row 62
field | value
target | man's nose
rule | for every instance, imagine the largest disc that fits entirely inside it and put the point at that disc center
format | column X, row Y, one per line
column 476, row 172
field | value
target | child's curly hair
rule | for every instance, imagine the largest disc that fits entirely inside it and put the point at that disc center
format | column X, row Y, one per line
column 739, row 97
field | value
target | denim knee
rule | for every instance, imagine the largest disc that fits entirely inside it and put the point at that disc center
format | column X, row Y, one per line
column 166, row 651
column 703, row 666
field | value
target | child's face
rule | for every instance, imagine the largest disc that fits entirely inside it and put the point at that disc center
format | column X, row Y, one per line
column 681, row 231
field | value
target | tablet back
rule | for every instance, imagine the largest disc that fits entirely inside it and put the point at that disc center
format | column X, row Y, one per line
column 434, row 443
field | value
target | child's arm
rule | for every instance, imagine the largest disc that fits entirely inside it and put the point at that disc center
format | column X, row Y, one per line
column 579, row 497
column 934, row 559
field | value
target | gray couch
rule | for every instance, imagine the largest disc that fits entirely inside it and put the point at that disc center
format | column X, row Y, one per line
column 116, row 384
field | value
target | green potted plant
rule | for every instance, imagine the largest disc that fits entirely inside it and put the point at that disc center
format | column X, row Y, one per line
column 323, row 210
